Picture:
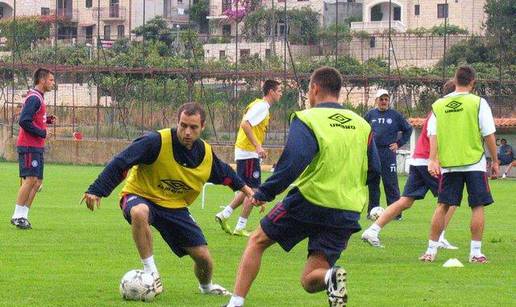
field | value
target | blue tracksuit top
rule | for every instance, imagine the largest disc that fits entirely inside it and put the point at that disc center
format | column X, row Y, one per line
column 386, row 125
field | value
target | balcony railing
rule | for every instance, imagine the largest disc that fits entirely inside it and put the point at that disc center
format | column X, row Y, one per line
column 65, row 14
column 378, row 26
column 174, row 15
column 114, row 12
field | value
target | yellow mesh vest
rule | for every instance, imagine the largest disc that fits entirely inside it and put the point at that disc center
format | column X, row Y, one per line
column 259, row 131
column 167, row 183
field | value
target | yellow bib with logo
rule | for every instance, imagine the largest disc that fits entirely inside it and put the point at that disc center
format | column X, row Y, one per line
column 167, row 183
column 259, row 131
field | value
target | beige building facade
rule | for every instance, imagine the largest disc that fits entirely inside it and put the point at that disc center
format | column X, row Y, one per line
column 24, row 8
column 412, row 14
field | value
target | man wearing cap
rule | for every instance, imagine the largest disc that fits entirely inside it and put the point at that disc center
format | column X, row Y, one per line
column 387, row 125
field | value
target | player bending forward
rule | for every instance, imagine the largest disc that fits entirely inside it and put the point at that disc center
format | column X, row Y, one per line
column 330, row 152
column 167, row 172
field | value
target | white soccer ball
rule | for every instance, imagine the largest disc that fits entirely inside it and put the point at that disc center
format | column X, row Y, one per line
column 137, row 285
column 375, row 213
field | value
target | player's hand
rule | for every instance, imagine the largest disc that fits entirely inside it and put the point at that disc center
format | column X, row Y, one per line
column 91, row 200
column 247, row 191
column 51, row 119
column 495, row 169
column 258, row 203
column 434, row 168
column 49, row 134
column 261, row 152
column 393, row 147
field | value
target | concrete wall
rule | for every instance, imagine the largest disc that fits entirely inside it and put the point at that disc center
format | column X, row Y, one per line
column 100, row 152
column 25, row 7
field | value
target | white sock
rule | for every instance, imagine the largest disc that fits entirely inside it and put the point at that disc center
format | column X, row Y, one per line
column 475, row 248
column 226, row 213
column 20, row 211
column 242, row 222
column 327, row 277
column 375, row 228
column 149, row 265
column 441, row 237
column 432, row 247
column 236, row 301
column 206, row 287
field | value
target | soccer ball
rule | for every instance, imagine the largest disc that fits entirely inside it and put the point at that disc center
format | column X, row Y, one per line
column 375, row 213
column 137, row 285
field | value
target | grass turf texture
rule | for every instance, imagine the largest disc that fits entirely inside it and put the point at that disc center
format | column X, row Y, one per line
column 74, row 257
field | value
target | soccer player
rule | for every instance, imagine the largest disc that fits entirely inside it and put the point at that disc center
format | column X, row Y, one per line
column 387, row 123
column 248, row 152
column 418, row 183
column 167, row 170
column 506, row 157
column 31, row 144
column 330, row 154
column 456, row 128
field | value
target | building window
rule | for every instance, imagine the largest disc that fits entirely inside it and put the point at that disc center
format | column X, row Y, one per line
column 120, row 29
column 372, row 42
column 107, row 32
column 245, row 53
column 45, row 11
column 226, row 30
column 1, row 12
column 442, row 10
column 397, row 13
column 416, row 9
column 226, row 5
column 268, row 53
column 222, row 54
column 179, row 1
column 88, row 4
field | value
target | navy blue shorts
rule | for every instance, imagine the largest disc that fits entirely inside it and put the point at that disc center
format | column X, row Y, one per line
column 419, row 182
column 249, row 170
column 176, row 226
column 451, row 187
column 281, row 227
column 31, row 163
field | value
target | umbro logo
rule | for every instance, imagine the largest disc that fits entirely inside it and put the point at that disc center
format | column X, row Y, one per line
column 454, row 106
column 174, row 186
column 341, row 119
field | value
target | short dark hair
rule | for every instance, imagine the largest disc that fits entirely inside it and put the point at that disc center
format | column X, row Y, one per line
column 464, row 75
column 40, row 74
column 269, row 85
column 503, row 140
column 192, row 108
column 449, row 87
column 329, row 79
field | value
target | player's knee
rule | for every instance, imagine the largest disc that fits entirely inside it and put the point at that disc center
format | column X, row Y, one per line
column 140, row 213
column 258, row 239
column 308, row 285
column 37, row 184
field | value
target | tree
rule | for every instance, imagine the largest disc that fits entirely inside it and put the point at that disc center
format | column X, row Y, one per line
column 28, row 31
column 501, row 28
column 156, row 29
column 199, row 12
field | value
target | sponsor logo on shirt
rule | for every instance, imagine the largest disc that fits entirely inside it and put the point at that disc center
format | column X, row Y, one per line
column 341, row 121
column 174, row 186
column 453, row 106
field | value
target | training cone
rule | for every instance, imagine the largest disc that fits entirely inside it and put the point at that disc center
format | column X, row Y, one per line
column 453, row 263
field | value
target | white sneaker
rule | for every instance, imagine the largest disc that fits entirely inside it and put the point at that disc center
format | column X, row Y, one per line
column 215, row 290
column 371, row 238
column 336, row 288
column 504, row 176
column 444, row 244
column 158, row 285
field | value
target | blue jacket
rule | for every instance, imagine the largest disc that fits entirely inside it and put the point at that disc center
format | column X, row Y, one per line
column 386, row 126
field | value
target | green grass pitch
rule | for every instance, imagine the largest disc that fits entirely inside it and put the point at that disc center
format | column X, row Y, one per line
column 74, row 257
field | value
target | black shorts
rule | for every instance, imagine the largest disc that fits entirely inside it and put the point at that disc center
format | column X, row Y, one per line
column 249, row 170
column 176, row 226
column 419, row 182
column 30, row 162
column 451, row 187
column 281, row 227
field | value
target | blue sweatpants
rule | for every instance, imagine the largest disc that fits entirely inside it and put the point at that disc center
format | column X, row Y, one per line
column 389, row 178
